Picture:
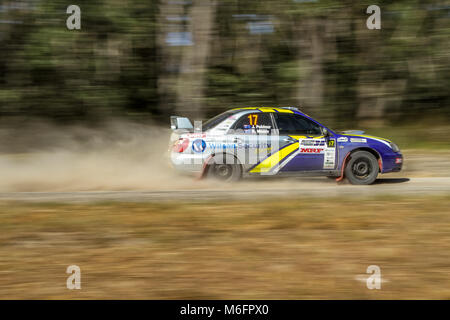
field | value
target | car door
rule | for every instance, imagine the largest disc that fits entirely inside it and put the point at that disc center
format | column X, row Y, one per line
column 253, row 140
column 314, row 153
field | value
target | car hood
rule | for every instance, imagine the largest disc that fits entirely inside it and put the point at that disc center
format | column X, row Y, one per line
column 352, row 132
column 356, row 135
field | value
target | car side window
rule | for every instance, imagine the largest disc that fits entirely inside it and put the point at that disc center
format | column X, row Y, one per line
column 295, row 124
column 254, row 123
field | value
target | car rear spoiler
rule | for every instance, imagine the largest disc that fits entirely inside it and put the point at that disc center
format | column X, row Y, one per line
column 182, row 123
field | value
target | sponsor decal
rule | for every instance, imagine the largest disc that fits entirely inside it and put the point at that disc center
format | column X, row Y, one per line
column 248, row 129
column 398, row 160
column 312, row 150
column 342, row 139
column 262, row 145
column 199, row 145
column 196, row 135
column 312, row 146
column 312, row 142
column 329, row 158
column 253, row 145
column 358, row 140
column 219, row 145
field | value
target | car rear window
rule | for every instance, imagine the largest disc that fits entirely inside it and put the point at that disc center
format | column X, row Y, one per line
column 211, row 123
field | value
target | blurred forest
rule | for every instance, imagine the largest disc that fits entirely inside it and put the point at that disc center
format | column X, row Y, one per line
column 150, row 59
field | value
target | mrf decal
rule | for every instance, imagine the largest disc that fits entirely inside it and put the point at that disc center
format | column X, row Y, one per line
column 312, row 146
column 327, row 150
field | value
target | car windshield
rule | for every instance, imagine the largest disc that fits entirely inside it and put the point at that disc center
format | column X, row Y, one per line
column 211, row 123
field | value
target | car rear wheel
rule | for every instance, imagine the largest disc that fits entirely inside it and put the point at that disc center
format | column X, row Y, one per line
column 362, row 169
column 225, row 169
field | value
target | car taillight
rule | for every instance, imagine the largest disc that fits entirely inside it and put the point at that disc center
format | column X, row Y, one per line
column 181, row 145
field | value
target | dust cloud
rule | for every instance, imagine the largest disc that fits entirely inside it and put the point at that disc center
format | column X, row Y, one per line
column 116, row 155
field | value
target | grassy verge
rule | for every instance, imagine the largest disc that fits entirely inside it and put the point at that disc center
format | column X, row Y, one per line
column 298, row 249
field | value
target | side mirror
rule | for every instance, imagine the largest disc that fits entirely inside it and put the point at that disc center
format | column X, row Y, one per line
column 325, row 132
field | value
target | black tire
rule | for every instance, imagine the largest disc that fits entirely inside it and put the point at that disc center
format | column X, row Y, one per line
column 225, row 169
column 362, row 168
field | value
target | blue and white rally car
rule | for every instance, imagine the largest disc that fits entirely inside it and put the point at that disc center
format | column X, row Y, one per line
column 278, row 141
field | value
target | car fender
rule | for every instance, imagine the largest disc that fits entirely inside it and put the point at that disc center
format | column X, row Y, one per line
column 355, row 148
column 209, row 161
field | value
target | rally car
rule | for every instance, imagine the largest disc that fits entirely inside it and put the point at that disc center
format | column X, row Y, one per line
column 278, row 141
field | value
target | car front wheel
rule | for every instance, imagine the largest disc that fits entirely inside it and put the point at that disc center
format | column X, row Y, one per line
column 362, row 169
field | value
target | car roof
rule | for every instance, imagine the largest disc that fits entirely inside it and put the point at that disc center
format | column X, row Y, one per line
column 273, row 110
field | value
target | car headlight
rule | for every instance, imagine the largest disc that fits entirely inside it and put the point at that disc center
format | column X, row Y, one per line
column 394, row 147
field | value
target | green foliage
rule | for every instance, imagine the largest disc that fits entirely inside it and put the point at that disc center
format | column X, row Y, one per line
column 118, row 62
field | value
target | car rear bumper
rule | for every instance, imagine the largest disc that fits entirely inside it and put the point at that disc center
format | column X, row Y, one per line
column 188, row 163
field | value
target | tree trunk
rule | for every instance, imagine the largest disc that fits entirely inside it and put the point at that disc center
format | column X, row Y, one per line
column 194, row 61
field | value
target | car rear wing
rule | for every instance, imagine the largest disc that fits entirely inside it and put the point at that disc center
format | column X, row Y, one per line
column 181, row 123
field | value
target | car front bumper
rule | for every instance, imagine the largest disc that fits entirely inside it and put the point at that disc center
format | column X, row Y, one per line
column 393, row 163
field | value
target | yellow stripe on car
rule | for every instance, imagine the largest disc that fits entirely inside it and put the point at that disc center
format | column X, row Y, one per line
column 266, row 109
column 297, row 137
column 305, row 137
column 281, row 110
column 245, row 108
column 267, row 164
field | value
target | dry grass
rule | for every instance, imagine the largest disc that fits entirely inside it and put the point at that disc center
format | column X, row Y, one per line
column 299, row 249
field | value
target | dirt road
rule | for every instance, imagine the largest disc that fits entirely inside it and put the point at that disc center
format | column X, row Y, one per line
column 423, row 174
column 289, row 188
